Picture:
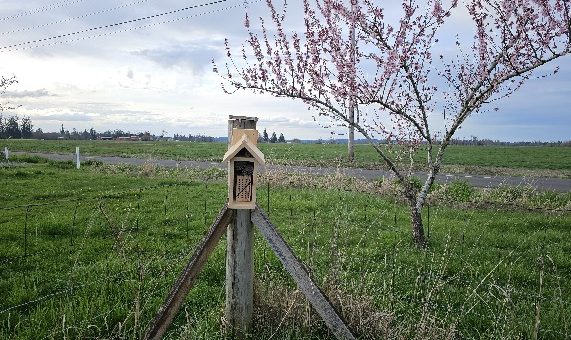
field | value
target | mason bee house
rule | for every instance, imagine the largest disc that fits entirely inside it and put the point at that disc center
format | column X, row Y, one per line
column 244, row 161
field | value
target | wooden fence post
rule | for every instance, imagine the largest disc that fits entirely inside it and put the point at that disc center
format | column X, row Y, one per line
column 239, row 257
column 301, row 275
column 239, row 215
column 6, row 153
column 185, row 281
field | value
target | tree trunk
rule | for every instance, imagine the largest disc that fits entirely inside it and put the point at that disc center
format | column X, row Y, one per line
column 417, row 227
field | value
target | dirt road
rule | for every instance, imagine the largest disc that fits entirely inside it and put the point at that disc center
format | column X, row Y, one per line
column 555, row 184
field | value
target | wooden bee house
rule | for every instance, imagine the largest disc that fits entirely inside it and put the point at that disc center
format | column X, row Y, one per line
column 244, row 161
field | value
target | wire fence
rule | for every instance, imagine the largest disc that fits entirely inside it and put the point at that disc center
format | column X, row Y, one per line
column 101, row 265
column 55, row 249
column 58, row 251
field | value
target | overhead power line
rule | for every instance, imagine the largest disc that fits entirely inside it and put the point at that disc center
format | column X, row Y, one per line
column 60, row 42
column 111, row 25
column 74, row 18
column 42, row 9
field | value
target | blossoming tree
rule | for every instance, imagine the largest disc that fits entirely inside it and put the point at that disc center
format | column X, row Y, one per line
column 414, row 91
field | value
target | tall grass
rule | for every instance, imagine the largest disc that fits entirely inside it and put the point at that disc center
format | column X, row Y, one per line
column 101, row 268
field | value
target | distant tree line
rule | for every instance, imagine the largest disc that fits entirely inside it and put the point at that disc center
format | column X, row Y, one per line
column 90, row 134
column 14, row 127
column 194, row 138
column 482, row 142
column 477, row 142
column 273, row 139
column 93, row 134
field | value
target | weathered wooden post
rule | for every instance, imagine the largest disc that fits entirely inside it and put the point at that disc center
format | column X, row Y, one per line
column 77, row 161
column 243, row 159
column 6, row 153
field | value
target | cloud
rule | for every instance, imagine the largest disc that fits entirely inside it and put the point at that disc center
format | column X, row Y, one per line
column 64, row 117
column 29, row 94
column 112, row 112
column 191, row 56
column 140, row 76
column 289, row 121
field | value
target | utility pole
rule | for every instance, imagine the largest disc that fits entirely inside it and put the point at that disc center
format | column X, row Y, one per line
column 351, row 141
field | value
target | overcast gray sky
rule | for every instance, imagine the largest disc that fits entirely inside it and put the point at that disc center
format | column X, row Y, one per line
column 156, row 74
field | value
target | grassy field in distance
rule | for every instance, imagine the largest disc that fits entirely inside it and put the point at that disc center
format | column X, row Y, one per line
column 548, row 161
column 105, row 248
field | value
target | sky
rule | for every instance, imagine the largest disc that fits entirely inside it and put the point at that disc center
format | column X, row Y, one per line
column 156, row 75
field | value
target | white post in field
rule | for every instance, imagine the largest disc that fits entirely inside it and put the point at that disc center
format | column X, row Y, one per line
column 77, row 161
column 6, row 153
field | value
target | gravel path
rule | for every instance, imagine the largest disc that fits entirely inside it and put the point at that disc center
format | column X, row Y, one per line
column 556, row 184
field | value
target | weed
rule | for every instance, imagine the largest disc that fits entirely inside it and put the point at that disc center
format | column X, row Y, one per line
column 92, row 162
column 461, row 191
column 62, row 164
column 28, row 159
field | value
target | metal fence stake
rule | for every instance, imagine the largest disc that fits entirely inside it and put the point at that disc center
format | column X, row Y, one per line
column 187, row 217
column 138, row 211
column 73, row 224
column 268, row 192
column 26, row 233
column 428, row 219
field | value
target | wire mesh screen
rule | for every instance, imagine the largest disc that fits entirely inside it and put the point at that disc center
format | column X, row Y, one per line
column 243, row 177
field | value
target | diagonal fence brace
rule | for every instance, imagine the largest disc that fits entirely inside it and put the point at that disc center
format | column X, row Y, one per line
column 180, row 289
column 301, row 275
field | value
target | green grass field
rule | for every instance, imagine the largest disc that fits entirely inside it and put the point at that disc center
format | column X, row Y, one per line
column 97, row 254
column 547, row 161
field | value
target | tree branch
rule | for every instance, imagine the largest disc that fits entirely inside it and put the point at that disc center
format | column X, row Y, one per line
column 335, row 111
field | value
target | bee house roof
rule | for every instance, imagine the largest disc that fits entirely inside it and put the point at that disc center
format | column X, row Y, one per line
column 252, row 149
